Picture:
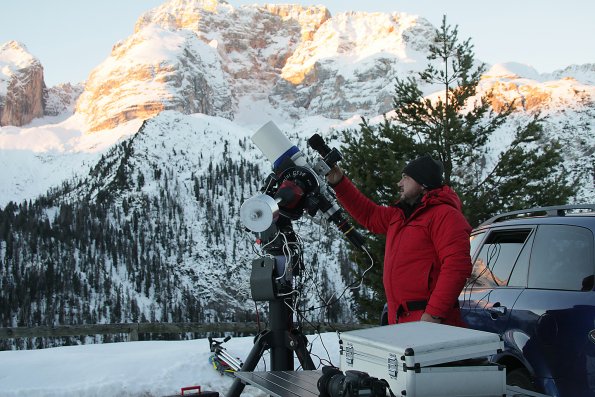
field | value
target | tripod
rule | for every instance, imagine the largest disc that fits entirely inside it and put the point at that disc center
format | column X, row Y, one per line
column 270, row 276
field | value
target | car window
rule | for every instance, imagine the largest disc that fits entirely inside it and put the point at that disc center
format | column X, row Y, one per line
column 474, row 241
column 562, row 258
column 497, row 257
column 518, row 277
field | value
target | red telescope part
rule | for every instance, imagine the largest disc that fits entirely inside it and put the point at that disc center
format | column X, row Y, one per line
column 289, row 194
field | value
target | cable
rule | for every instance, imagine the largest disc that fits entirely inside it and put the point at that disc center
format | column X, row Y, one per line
column 290, row 246
column 349, row 287
column 317, row 332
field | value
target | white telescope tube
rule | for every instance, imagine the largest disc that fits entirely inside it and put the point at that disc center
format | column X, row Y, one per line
column 276, row 146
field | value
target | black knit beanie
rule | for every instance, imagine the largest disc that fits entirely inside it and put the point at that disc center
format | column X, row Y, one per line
column 426, row 171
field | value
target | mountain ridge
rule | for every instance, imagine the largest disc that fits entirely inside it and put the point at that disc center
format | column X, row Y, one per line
column 124, row 207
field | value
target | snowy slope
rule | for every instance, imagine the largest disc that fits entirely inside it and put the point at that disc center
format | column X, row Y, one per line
column 171, row 193
column 40, row 156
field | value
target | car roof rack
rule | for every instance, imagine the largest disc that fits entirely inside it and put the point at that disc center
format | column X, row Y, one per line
column 556, row 210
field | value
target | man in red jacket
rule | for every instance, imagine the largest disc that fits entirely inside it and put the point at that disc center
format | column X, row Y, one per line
column 426, row 258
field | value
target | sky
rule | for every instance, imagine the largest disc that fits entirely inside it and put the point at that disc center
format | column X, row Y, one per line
column 71, row 37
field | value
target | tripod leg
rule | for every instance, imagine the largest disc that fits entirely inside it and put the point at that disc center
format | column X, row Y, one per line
column 302, row 352
column 260, row 345
column 281, row 353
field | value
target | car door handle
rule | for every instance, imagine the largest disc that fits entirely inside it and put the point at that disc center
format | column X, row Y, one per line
column 497, row 311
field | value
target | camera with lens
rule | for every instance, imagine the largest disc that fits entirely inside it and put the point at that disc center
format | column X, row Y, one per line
column 333, row 383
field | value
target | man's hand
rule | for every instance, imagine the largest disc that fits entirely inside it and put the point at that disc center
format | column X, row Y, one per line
column 335, row 175
column 431, row 319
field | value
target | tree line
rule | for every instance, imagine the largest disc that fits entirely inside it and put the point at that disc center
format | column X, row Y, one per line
column 103, row 250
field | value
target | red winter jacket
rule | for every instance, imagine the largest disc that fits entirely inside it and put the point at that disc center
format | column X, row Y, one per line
column 426, row 256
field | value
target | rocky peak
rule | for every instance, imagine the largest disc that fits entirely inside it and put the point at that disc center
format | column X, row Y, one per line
column 584, row 73
column 195, row 57
column 292, row 57
column 21, row 85
column 151, row 71
column 15, row 55
column 182, row 14
column 351, row 62
column 197, row 15
column 253, row 41
column 205, row 56
column 531, row 91
column 61, row 98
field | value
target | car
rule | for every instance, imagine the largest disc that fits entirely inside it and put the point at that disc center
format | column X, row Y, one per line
column 533, row 283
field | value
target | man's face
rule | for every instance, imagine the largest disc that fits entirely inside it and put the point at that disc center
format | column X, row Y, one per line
column 410, row 190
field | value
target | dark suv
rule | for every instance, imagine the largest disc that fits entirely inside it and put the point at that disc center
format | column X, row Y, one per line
column 532, row 283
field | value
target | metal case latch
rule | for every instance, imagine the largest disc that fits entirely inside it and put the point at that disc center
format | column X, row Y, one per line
column 392, row 365
column 349, row 354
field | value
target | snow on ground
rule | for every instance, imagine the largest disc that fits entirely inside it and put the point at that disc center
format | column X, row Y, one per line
column 146, row 368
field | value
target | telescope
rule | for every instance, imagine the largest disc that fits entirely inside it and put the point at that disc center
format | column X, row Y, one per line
column 295, row 186
column 292, row 189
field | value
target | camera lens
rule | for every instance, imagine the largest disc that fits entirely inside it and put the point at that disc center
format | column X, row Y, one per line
column 336, row 385
column 324, row 382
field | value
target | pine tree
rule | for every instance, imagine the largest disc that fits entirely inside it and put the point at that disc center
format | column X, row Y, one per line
column 454, row 127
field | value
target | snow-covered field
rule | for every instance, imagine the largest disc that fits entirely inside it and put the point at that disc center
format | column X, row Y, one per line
column 155, row 368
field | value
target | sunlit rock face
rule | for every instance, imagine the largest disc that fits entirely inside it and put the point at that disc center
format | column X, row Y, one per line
column 205, row 56
column 194, row 57
column 151, row 71
column 21, row 85
column 350, row 65
column 531, row 92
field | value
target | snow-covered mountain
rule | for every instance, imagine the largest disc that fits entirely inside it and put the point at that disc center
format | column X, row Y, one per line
column 21, row 85
column 132, row 194
column 208, row 57
column 567, row 105
column 256, row 63
column 150, row 231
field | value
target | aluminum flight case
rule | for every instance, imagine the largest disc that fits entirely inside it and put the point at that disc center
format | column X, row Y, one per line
column 426, row 359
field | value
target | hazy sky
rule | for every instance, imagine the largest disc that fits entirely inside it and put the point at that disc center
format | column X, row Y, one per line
column 71, row 37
